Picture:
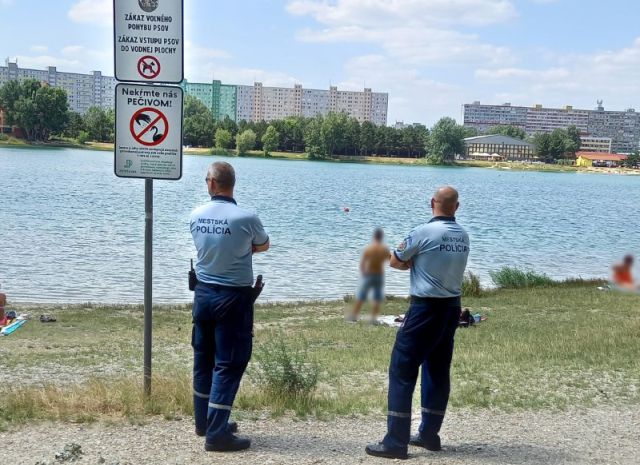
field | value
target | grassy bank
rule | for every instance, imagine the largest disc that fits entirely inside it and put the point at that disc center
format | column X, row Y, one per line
column 205, row 151
column 552, row 347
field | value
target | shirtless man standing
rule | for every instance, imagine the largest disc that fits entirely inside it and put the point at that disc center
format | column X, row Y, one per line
column 372, row 263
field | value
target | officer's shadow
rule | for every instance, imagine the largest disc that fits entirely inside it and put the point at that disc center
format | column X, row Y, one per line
column 466, row 452
column 512, row 453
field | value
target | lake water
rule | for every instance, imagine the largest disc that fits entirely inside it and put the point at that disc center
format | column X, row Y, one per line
column 70, row 231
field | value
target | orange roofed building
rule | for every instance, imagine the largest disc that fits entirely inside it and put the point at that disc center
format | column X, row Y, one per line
column 588, row 159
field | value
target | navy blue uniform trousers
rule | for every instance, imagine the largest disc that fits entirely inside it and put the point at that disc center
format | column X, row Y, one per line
column 222, row 344
column 425, row 339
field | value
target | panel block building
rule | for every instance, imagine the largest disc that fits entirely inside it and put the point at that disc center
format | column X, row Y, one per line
column 83, row 90
column 262, row 103
column 238, row 102
column 622, row 127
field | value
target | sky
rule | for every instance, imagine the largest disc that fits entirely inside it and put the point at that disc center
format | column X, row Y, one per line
column 430, row 56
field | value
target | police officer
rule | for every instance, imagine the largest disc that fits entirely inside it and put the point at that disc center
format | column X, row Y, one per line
column 436, row 253
column 225, row 237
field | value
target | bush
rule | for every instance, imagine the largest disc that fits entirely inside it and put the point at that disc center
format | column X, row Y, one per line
column 4, row 137
column 284, row 370
column 514, row 278
column 471, row 285
column 83, row 137
column 245, row 141
column 223, row 139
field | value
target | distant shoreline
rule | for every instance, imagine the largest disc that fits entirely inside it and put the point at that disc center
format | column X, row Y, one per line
column 202, row 151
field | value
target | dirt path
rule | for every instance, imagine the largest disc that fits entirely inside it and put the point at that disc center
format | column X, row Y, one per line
column 596, row 436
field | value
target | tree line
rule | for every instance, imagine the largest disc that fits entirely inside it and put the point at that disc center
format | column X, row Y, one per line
column 320, row 136
column 42, row 111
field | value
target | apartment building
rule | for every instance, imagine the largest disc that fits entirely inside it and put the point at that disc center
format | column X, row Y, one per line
column 238, row 102
column 622, row 127
column 83, row 90
column 262, row 103
column 595, row 144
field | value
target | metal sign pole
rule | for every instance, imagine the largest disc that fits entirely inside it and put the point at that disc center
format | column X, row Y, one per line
column 148, row 136
column 148, row 268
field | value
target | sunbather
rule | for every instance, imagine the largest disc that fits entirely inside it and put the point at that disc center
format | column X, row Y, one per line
column 3, row 302
column 623, row 276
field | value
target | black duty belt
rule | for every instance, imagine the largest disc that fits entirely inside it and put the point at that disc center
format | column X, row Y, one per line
column 221, row 287
column 433, row 300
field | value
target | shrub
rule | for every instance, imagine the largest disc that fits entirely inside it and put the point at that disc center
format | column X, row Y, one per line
column 83, row 137
column 471, row 285
column 515, row 278
column 4, row 137
column 245, row 141
column 284, row 370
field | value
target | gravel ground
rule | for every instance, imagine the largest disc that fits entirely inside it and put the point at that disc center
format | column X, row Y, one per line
column 592, row 436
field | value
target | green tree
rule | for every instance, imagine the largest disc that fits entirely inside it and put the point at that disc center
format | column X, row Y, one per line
column 333, row 130
column 413, row 139
column 573, row 142
column 470, row 132
column 198, row 124
column 313, row 138
column 99, row 124
column 542, row 142
column 245, row 141
column 367, row 142
column 291, row 132
column 508, row 130
column 75, row 125
column 39, row 110
column 270, row 140
column 82, row 137
column 351, row 136
column 633, row 160
column 228, row 124
column 560, row 143
column 223, row 139
column 446, row 139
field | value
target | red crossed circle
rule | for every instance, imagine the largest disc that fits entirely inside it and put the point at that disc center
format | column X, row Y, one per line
column 155, row 116
column 149, row 67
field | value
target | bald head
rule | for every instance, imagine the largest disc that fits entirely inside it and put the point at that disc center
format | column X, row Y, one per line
column 445, row 201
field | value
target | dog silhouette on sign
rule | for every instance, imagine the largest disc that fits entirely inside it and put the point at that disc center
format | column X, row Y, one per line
column 150, row 67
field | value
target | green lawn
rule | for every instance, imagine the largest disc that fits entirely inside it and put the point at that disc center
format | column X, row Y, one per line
column 555, row 347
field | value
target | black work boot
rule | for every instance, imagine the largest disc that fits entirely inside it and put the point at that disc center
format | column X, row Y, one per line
column 380, row 450
column 233, row 428
column 231, row 444
column 431, row 442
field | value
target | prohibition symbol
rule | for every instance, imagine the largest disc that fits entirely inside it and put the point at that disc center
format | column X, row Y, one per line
column 148, row 67
column 149, row 126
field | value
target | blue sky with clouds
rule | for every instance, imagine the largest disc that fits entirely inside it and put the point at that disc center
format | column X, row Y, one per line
column 431, row 56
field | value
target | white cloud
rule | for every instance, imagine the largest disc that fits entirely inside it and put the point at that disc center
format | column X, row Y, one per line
column 412, row 40
column 92, row 11
column 39, row 48
column 204, row 64
column 72, row 58
column 578, row 80
column 385, row 12
column 414, row 31
column 530, row 75
column 412, row 97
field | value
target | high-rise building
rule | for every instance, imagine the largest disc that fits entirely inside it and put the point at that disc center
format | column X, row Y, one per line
column 622, row 127
column 261, row 103
column 595, row 144
column 83, row 90
column 238, row 102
